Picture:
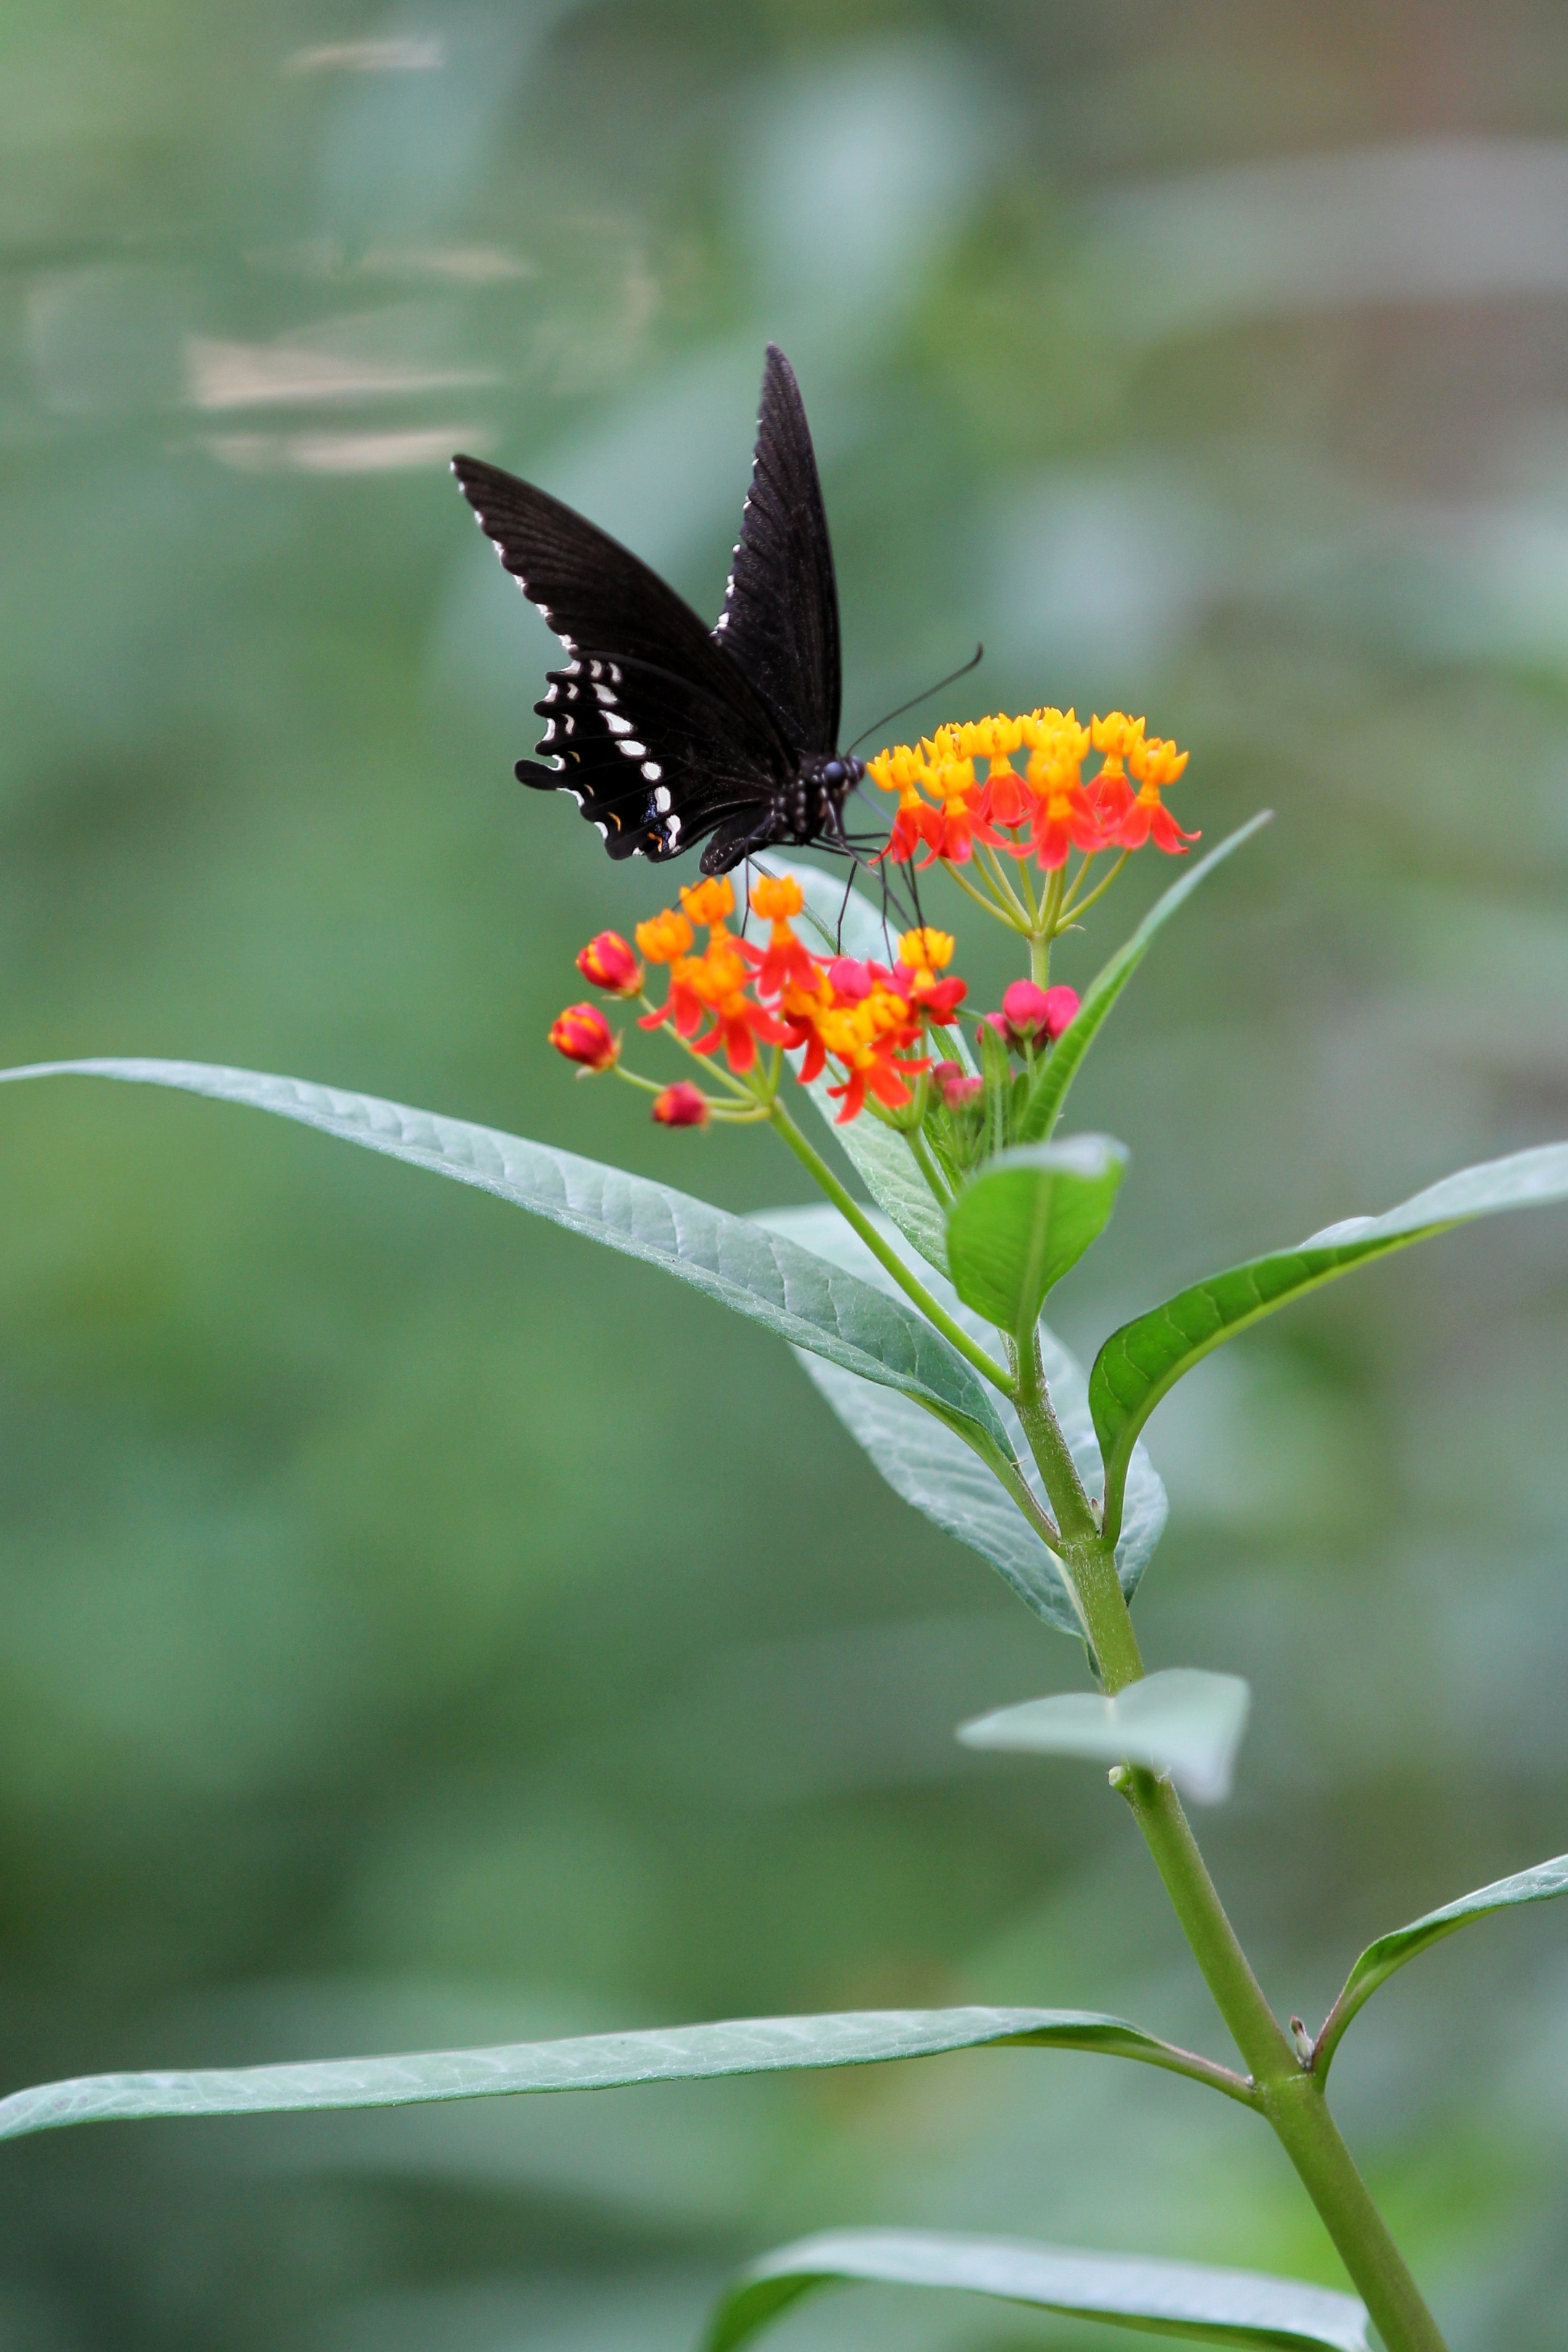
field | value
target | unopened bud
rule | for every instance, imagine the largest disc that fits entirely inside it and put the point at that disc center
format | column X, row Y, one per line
column 1302, row 2039
column 850, row 981
column 954, row 1086
column 1035, row 1017
column 582, row 1034
column 682, row 1104
column 609, row 963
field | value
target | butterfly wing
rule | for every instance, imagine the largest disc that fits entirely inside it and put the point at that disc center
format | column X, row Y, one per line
column 658, row 735
column 780, row 617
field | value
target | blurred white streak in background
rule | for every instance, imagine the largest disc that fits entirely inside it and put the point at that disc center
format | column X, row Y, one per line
column 328, row 363
column 409, row 54
column 341, row 453
column 1445, row 220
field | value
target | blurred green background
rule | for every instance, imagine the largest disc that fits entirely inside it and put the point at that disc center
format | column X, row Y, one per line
column 420, row 1627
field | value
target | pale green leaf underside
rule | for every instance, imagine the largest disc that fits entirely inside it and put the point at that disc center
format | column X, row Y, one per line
column 1161, row 2298
column 1540, row 1883
column 1142, row 1362
column 1182, row 1721
column 1025, row 1220
column 597, row 2062
column 770, row 1280
column 1067, row 1053
column 879, row 1155
column 938, row 1473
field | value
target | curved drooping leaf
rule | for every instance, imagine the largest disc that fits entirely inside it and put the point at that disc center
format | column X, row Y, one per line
column 1181, row 1722
column 1143, row 1362
column 1162, row 2298
column 941, row 1476
column 863, row 1328
column 1063, row 1064
column 1029, row 1215
column 1540, row 1884
column 595, row 2061
column 879, row 1156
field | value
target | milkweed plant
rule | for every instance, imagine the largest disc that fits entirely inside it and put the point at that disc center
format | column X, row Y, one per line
column 915, row 1305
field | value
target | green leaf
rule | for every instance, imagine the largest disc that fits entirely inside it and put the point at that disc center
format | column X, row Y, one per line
column 1044, row 1106
column 879, row 1155
column 1181, row 1722
column 1026, row 1217
column 1161, row 2298
column 940, row 1476
column 770, row 1280
column 596, row 2062
column 1143, row 1362
column 1379, row 1961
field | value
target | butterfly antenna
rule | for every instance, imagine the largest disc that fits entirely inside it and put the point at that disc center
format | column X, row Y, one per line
column 976, row 658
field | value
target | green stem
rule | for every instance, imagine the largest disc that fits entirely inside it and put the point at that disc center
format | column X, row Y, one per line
column 1081, row 906
column 1287, row 2093
column 928, row 1167
column 980, row 898
column 1006, row 895
column 909, row 1284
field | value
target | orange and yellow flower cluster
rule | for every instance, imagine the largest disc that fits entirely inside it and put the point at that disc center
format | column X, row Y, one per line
column 869, row 1020
column 945, row 806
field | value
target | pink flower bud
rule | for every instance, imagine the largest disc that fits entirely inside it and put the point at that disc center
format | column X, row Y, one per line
column 954, row 1085
column 852, row 981
column 582, row 1034
column 682, row 1104
column 609, row 963
column 1034, row 1016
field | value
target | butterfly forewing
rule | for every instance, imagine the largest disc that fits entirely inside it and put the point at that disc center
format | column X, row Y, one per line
column 659, row 734
column 780, row 617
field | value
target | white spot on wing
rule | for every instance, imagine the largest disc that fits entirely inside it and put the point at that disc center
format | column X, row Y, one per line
column 723, row 621
column 616, row 724
column 606, row 695
column 652, row 771
column 674, row 828
column 632, row 747
column 601, row 830
column 662, row 799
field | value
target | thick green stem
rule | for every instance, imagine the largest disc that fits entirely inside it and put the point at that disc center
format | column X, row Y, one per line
column 1287, row 2093
column 911, row 1286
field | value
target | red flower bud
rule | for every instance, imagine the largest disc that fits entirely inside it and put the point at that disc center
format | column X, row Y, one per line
column 954, row 1085
column 1034, row 1016
column 609, row 963
column 582, row 1034
column 682, row 1104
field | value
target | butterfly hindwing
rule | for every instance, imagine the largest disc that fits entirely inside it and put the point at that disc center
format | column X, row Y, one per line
column 780, row 617
column 659, row 734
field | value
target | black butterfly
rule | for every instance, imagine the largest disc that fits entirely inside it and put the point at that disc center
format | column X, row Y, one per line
column 661, row 731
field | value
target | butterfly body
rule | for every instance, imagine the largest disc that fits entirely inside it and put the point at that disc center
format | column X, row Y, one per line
column 662, row 730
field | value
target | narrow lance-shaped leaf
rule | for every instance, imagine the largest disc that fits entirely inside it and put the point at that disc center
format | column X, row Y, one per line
column 1143, row 1362
column 1028, row 1216
column 1162, row 2298
column 941, row 1476
column 770, row 1280
column 1181, row 1722
column 1540, row 1884
column 595, row 2061
column 880, row 1155
column 1044, row 1108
